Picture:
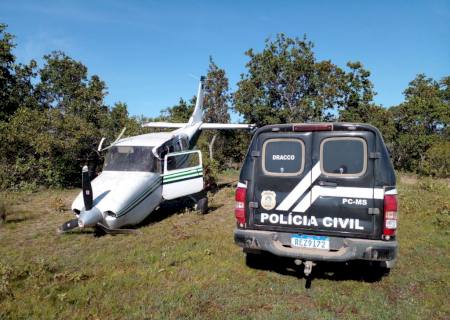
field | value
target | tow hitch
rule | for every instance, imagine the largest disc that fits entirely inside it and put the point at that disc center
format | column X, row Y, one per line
column 308, row 267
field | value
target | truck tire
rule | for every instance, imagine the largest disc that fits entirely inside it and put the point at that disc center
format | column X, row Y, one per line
column 380, row 270
column 376, row 271
column 253, row 260
column 202, row 205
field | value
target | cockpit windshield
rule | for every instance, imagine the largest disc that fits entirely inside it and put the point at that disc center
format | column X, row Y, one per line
column 129, row 158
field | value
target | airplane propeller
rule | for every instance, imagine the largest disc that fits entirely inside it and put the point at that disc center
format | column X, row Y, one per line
column 90, row 216
column 87, row 189
column 87, row 198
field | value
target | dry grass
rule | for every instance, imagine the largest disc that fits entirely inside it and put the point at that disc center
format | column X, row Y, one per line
column 183, row 265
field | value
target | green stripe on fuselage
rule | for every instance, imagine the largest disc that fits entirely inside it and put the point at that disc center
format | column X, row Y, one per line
column 140, row 198
column 185, row 172
column 182, row 177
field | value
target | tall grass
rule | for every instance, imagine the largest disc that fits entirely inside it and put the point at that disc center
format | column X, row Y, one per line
column 182, row 265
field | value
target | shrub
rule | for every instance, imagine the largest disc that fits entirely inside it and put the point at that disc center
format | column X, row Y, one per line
column 211, row 173
column 44, row 148
column 432, row 185
column 437, row 160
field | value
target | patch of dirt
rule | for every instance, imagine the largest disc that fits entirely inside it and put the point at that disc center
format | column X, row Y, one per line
column 408, row 179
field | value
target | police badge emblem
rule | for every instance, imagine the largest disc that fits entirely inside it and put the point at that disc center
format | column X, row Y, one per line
column 268, row 200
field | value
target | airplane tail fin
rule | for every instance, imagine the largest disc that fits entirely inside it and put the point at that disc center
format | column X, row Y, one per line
column 195, row 121
column 197, row 115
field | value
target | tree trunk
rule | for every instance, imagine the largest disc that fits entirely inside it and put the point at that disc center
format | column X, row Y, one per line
column 211, row 147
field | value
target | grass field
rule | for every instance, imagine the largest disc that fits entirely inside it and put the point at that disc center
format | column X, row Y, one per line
column 184, row 265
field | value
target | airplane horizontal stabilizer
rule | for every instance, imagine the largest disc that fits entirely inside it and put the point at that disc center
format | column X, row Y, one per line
column 226, row 126
column 163, row 125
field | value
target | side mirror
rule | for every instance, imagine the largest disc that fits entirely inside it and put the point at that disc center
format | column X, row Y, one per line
column 100, row 144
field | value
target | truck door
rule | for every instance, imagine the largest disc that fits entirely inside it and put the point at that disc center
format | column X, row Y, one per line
column 282, row 176
column 182, row 174
column 342, row 195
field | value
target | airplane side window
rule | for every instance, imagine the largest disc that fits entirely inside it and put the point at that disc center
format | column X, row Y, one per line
column 171, row 163
column 183, row 161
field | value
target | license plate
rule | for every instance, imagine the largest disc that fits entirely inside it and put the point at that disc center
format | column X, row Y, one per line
column 313, row 242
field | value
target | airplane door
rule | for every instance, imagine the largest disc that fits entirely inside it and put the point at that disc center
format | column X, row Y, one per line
column 183, row 174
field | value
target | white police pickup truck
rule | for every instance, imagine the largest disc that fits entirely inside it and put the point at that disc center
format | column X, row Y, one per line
column 318, row 192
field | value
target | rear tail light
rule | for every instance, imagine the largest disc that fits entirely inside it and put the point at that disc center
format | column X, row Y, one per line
column 312, row 127
column 390, row 216
column 239, row 209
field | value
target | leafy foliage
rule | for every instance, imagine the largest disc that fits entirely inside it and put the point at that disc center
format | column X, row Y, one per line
column 51, row 119
column 217, row 95
column 286, row 84
column 215, row 107
column 180, row 112
column 47, row 148
column 53, row 116
column 421, row 123
column 437, row 160
column 15, row 79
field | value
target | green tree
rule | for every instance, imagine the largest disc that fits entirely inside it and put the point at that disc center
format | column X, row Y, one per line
column 16, row 79
column 357, row 102
column 44, row 148
column 285, row 83
column 65, row 86
column 357, row 94
column 180, row 112
column 7, row 60
column 421, row 121
column 24, row 93
column 119, row 116
column 119, row 119
column 215, row 108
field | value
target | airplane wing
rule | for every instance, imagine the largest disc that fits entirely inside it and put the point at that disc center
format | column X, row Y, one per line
column 226, row 126
column 202, row 126
column 163, row 125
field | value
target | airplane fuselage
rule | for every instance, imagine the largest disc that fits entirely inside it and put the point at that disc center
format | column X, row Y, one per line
column 142, row 171
column 122, row 198
column 130, row 186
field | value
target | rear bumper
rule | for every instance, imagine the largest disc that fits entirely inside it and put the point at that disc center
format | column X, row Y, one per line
column 341, row 249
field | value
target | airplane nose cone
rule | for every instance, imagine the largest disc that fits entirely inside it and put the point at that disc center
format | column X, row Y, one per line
column 89, row 218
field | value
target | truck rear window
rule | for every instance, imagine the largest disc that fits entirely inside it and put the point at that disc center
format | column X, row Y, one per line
column 343, row 156
column 283, row 156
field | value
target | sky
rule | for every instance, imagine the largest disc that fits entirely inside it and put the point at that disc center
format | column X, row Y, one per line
column 151, row 53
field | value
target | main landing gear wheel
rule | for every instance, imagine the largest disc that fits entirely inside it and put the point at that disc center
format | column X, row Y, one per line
column 202, row 205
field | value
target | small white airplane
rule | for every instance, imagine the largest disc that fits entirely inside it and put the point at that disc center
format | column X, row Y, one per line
column 141, row 172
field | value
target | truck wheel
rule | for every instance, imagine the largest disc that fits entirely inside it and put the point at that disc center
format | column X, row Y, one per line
column 377, row 271
column 202, row 205
column 253, row 260
column 381, row 270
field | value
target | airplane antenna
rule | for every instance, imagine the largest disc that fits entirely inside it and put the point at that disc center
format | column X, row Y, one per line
column 193, row 76
column 120, row 135
column 112, row 144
